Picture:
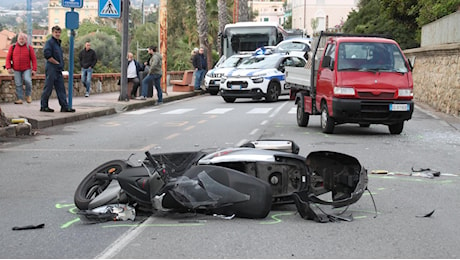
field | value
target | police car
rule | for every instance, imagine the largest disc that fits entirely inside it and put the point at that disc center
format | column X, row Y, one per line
column 260, row 76
column 212, row 77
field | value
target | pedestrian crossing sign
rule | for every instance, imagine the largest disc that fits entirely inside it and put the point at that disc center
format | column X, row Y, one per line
column 110, row 8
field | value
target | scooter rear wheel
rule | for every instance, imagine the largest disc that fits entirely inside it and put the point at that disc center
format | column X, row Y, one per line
column 91, row 186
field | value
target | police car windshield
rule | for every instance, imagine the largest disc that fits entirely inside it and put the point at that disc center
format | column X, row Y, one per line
column 260, row 62
column 232, row 61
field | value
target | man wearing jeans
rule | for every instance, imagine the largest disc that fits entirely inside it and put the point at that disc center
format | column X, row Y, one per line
column 88, row 60
column 200, row 64
column 155, row 74
column 18, row 61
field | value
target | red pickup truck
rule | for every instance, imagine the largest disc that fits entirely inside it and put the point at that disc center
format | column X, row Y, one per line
column 362, row 79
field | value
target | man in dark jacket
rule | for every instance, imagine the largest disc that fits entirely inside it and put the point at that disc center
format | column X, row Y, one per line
column 53, row 71
column 88, row 60
column 200, row 64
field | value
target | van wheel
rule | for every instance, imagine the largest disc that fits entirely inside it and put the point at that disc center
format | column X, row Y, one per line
column 302, row 117
column 229, row 99
column 397, row 128
column 327, row 123
column 272, row 92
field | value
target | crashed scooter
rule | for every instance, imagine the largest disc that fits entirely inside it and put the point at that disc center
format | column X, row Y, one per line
column 242, row 182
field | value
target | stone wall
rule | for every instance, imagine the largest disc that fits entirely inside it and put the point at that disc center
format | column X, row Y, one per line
column 437, row 76
column 101, row 83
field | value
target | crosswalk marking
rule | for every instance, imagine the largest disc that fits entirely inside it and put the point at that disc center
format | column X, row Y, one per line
column 178, row 111
column 219, row 111
column 293, row 111
column 259, row 110
column 141, row 111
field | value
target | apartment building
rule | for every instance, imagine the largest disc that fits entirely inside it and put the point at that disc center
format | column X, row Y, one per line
column 268, row 11
column 316, row 15
column 57, row 13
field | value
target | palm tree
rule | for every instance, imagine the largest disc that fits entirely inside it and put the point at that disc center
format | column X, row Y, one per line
column 223, row 19
column 243, row 12
column 202, row 22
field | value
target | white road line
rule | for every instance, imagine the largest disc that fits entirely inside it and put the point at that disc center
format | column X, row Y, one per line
column 277, row 110
column 141, row 111
column 124, row 240
column 253, row 132
column 219, row 111
column 259, row 110
column 178, row 111
column 293, row 111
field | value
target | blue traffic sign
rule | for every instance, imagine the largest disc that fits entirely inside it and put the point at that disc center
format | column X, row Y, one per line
column 72, row 3
column 71, row 20
column 110, row 8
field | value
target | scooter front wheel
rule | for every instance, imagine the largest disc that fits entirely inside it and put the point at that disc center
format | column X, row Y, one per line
column 95, row 183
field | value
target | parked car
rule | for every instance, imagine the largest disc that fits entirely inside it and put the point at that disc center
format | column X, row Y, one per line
column 260, row 76
column 212, row 77
column 294, row 46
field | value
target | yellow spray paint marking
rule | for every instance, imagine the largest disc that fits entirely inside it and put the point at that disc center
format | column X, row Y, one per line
column 189, row 128
column 176, row 124
column 112, row 124
column 155, row 225
column 169, row 137
column 202, row 121
column 275, row 218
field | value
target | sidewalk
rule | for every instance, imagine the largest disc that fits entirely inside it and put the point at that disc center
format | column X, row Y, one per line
column 86, row 107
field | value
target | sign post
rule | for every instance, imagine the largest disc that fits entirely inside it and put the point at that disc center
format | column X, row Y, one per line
column 71, row 22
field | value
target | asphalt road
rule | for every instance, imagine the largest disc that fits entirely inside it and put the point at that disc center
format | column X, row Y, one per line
column 40, row 173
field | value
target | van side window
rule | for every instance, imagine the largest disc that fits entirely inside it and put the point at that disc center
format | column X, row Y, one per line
column 329, row 55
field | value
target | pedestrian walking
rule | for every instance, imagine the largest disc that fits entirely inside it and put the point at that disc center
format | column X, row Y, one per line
column 155, row 74
column 22, row 62
column 200, row 64
column 53, row 73
column 88, row 59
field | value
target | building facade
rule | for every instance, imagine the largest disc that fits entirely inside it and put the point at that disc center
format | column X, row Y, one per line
column 268, row 11
column 317, row 15
column 57, row 13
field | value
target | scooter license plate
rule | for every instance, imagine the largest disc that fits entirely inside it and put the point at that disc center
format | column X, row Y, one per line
column 399, row 107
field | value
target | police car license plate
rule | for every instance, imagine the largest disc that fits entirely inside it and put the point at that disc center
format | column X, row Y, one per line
column 399, row 107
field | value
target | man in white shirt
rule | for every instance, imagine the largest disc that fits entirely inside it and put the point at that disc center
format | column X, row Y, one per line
column 133, row 74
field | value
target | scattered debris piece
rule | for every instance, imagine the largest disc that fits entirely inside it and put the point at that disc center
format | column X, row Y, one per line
column 29, row 227
column 426, row 215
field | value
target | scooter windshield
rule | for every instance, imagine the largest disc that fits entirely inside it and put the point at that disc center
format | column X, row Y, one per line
column 203, row 191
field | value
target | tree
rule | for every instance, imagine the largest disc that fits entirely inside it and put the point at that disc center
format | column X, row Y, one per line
column 243, row 11
column 223, row 19
column 202, row 22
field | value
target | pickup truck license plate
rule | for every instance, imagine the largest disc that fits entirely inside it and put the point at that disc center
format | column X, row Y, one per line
column 399, row 107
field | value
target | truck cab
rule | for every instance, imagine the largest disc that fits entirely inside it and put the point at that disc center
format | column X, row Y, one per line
column 358, row 79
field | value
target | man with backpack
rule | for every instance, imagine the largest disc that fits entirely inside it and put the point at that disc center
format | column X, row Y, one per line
column 21, row 61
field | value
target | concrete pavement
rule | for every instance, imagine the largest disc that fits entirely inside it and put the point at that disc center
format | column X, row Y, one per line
column 86, row 107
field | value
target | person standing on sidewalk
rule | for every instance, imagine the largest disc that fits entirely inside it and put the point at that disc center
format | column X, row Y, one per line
column 53, row 72
column 200, row 64
column 155, row 74
column 88, row 59
column 18, row 61
column 133, row 73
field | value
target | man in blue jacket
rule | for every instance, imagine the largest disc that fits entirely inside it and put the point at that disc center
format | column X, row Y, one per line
column 53, row 71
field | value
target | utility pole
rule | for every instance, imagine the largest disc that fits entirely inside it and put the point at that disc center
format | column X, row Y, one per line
column 29, row 22
column 124, row 51
column 163, row 43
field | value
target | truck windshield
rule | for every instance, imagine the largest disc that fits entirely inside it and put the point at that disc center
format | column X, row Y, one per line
column 370, row 56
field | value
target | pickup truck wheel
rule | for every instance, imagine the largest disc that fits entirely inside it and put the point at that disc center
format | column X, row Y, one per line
column 397, row 128
column 272, row 92
column 302, row 117
column 229, row 99
column 327, row 123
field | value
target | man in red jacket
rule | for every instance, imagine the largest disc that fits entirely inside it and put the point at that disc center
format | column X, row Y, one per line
column 18, row 61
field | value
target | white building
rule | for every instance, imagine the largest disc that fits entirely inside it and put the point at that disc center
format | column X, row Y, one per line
column 268, row 11
column 326, row 13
